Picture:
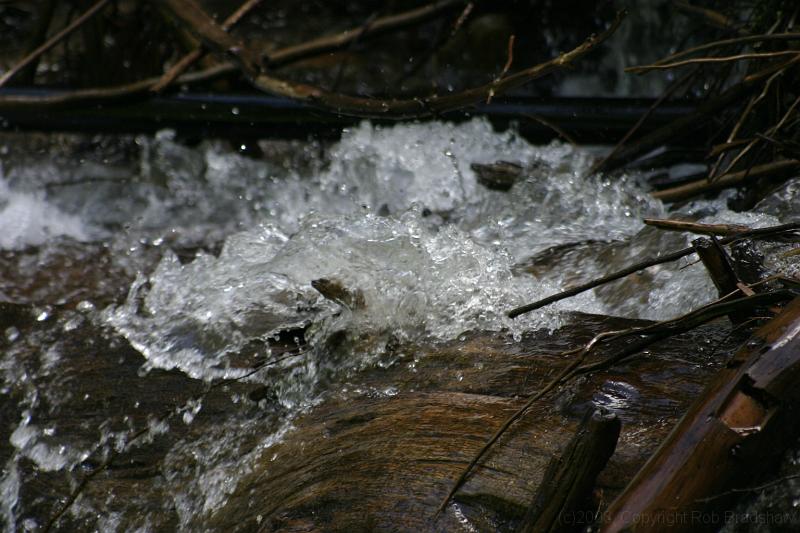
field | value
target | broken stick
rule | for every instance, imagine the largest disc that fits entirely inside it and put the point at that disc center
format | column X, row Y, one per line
column 673, row 256
column 569, row 479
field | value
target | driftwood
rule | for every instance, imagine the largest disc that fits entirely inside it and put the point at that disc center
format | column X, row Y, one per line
column 720, row 230
column 666, row 258
column 739, row 426
column 559, row 504
column 682, row 192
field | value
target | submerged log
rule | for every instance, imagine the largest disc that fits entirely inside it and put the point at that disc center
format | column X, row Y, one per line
column 569, row 479
column 742, row 423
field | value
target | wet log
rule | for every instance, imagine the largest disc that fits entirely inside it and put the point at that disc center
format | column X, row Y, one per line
column 741, row 424
column 569, row 479
column 378, row 452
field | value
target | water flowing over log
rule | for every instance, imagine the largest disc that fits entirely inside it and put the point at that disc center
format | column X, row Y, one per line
column 743, row 422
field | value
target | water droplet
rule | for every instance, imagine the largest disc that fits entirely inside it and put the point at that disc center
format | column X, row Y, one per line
column 12, row 334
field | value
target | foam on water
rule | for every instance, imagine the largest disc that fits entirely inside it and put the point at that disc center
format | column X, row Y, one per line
column 398, row 216
column 28, row 219
column 393, row 215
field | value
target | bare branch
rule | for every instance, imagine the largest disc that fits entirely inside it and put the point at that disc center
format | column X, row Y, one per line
column 189, row 59
column 725, row 181
column 666, row 258
column 430, row 105
column 379, row 25
column 191, row 16
column 729, row 42
column 54, row 40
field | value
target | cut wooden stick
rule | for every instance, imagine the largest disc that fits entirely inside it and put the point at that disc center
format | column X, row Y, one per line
column 688, row 190
column 54, row 40
column 673, row 256
column 720, row 269
column 723, row 230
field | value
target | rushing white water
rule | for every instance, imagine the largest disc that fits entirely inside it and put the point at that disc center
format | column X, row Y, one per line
column 394, row 215
column 399, row 216
column 27, row 219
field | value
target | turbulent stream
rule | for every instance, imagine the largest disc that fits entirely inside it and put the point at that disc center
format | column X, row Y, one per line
column 209, row 254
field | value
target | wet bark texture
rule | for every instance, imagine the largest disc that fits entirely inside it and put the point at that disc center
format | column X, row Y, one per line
column 380, row 453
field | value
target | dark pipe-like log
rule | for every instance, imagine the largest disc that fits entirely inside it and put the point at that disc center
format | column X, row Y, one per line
column 599, row 120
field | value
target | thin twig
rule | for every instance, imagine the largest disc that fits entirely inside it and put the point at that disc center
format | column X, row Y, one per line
column 52, row 41
column 673, row 256
column 726, row 59
column 750, row 106
column 509, row 61
column 664, row 96
column 714, row 18
column 757, row 488
column 563, row 375
column 774, row 129
column 430, row 105
column 559, row 131
column 729, row 42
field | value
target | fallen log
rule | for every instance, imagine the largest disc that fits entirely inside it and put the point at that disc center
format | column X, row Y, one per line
column 739, row 427
column 569, row 479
